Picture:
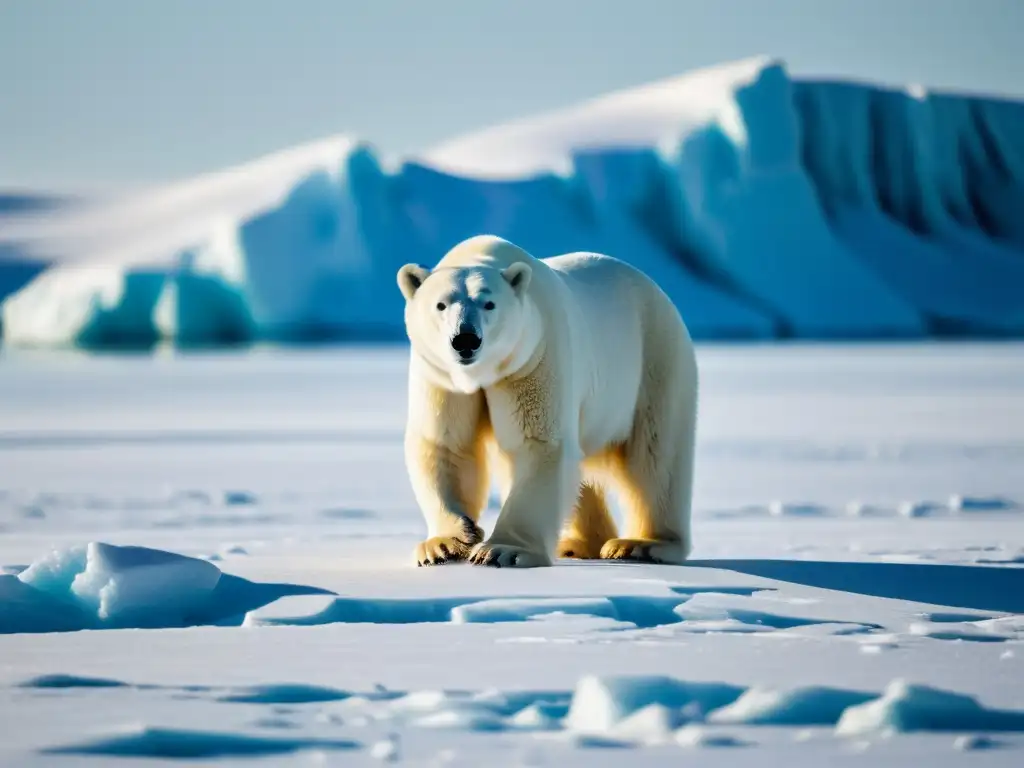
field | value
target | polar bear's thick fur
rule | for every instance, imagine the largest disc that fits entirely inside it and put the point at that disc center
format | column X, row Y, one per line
column 564, row 375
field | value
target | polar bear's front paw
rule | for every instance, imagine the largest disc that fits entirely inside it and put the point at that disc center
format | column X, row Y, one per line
column 644, row 551
column 449, row 549
column 507, row 556
column 441, row 549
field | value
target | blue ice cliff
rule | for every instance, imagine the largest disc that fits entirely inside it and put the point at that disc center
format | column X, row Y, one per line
column 765, row 205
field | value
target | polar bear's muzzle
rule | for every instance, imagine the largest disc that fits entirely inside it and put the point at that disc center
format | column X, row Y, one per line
column 466, row 343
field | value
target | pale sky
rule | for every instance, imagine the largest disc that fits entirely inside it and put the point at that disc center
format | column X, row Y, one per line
column 119, row 92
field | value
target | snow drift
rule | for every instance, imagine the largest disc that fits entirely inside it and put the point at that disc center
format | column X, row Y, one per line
column 764, row 205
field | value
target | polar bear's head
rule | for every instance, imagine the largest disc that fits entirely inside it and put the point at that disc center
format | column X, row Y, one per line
column 471, row 324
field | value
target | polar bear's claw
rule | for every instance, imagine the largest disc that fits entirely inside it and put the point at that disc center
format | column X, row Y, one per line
column 506, row 556
column 441, row 549
column 449, row 549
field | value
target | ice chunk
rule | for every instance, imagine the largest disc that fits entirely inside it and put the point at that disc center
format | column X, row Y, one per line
column 907, row 707
column 137, row 586
column 101, row 586
column 126, row 586
column 55, row 572
column 598, row 703
column 812, row 705
column 532, row 718
column 650, row 726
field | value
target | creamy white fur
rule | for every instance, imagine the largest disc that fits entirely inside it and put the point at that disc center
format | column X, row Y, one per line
column 585, row 376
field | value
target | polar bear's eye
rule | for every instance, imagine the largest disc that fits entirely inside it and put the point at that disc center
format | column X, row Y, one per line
column 489, row 305
column 440, row 306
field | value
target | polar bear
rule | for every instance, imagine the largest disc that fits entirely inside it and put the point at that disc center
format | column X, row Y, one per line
column 565, row 376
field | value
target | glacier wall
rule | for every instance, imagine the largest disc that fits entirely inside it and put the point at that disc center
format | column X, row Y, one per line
column 793, row 208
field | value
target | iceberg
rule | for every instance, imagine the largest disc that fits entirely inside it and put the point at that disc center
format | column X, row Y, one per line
column 749, row 210
column 765, row 205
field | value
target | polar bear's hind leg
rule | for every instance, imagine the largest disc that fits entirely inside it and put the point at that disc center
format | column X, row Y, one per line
column 656, row 469
column 589, row 526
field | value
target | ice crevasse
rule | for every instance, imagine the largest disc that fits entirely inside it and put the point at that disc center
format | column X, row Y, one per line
column 763, row 204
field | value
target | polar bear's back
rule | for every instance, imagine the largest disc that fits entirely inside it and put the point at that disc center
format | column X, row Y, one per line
column 608, row 287
column 625, row 327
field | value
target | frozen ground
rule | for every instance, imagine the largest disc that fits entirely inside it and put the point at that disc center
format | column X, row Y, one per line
column 857, row 592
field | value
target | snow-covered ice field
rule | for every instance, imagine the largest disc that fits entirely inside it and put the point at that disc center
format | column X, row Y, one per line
column 856, row 593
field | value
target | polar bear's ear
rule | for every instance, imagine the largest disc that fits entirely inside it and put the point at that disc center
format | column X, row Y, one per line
column 410, row 278
column 518, row 276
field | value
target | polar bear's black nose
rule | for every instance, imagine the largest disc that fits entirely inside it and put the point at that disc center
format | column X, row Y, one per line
column 466, row 342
